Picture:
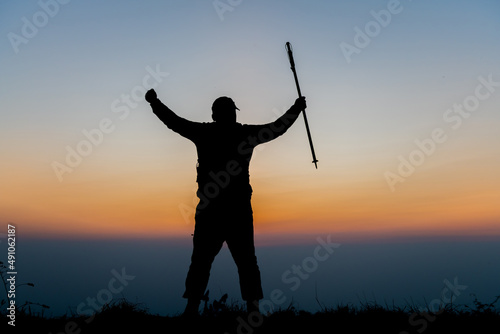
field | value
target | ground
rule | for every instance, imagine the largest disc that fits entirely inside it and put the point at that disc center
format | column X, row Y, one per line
column 125, row 317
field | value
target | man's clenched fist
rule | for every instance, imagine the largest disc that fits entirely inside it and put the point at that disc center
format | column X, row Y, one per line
column 151, row 96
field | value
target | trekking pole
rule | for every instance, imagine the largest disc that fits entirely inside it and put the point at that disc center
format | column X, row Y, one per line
column 288, row 47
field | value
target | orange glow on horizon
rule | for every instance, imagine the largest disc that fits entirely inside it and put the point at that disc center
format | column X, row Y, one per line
column 128, row 203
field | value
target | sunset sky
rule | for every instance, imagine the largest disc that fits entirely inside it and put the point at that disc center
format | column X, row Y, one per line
column 379, row 76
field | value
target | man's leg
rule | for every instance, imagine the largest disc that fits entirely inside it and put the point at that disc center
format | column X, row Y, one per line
column 207, row 243
column 240, row 241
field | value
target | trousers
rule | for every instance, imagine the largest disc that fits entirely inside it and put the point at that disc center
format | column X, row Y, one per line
column 229, row 221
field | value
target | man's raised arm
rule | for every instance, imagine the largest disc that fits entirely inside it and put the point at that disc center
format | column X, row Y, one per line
column 178, row 124
column 270, row 131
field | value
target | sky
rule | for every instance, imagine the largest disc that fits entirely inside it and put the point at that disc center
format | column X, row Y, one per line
column 402, row 102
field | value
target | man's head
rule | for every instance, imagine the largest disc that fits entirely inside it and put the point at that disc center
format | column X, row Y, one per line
column 224, row 110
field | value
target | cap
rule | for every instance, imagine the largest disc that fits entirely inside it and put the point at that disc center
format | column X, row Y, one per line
column 223, row 103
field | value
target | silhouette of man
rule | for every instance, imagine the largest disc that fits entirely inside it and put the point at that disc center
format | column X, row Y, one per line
column 224, row 212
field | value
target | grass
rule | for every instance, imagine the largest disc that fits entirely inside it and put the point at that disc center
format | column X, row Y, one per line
column 122, row 316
